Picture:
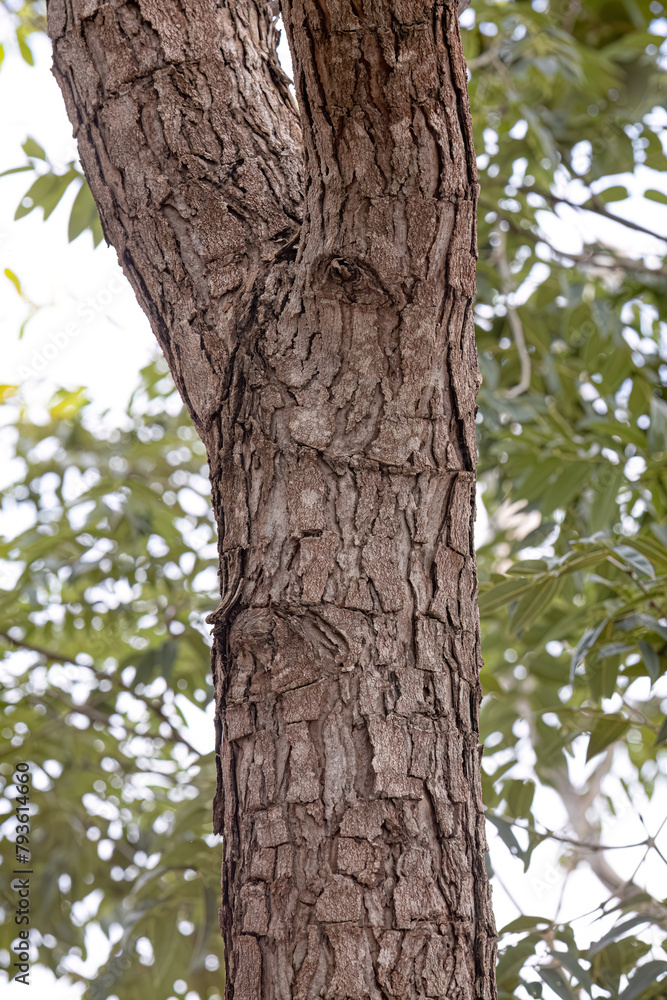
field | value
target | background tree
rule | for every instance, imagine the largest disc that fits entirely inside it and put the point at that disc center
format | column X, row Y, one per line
column 556, row 94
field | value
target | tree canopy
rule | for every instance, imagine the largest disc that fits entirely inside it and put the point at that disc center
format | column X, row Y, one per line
column 109, row 546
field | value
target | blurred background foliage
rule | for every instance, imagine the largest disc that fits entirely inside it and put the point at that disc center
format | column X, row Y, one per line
column 109, row 568
column 106, row 651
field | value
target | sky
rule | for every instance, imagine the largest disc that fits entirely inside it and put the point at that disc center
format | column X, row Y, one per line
column 77, row 285
column 72, row 282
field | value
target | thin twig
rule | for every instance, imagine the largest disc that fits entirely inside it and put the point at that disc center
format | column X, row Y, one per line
column 507, row 285
column 507, row 892
column 598, row 208
column 586, row 845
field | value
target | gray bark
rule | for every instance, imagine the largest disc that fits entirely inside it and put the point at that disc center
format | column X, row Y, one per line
column 310, row 279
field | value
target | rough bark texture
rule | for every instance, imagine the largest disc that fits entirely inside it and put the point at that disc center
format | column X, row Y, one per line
column 312, row 294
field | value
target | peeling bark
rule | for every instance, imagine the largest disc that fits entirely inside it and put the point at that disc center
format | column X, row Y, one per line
column 313, row 296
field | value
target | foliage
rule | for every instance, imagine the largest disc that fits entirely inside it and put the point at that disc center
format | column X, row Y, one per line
column 48, row 188
column 572, row 435
column 27, row 18
column 114, row 579
column 573, row 567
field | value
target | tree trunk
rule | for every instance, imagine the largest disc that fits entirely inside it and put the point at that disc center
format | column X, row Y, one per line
column 313, row 296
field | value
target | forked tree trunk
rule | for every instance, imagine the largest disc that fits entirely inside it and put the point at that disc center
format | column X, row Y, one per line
column 312, row 293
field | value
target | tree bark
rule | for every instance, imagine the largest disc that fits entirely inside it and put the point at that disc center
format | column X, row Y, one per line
column 312, row 292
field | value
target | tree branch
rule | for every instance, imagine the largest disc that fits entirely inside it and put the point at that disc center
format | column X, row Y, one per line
column 191, row 145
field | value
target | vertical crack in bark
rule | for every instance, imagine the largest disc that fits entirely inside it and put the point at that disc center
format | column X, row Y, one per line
column 334, row 386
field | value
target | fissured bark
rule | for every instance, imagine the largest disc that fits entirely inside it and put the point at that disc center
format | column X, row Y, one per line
column 309, row 275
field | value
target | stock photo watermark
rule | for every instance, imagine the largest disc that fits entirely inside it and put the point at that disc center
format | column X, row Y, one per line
column 23, row 871
column 57, row 342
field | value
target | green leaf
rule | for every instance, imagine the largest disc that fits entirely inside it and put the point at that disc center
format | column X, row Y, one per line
column 7, row 391
column 575, row 561
column 526, row 567
column 616, row 193
column 84, row 213
column 519, row 795
column 657, row 432
column 651, row 660
column 662, row 733
column 648, row 547
column 506, row 834
column 653, row 195
column 17, row 170
column 571, row 962
column 535, row 602
column 46, row 193
column 603, row 508
column 14, row 280
column 613, row 649
column 33, row 149
column 635, row 559
column 504, row 593
column 605, row 732
column 96, row 230
column 555, row 981
column 512, row 959
column 65, row 405
column 156, row 662
column 586, row 643
column 569, row 484
column 645, row 976
column 525, row 923
column 616, row 933
column 642, row 620
column 24, row 49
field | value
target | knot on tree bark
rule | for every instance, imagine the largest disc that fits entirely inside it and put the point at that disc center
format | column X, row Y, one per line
column 349, row 279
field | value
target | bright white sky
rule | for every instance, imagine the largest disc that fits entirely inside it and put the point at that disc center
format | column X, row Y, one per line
column 70, row 279
column 105, row 357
